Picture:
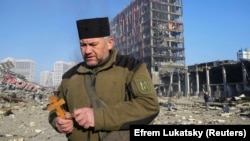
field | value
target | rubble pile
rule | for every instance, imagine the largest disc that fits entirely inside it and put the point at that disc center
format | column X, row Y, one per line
column 192, row 111
column 25, row 119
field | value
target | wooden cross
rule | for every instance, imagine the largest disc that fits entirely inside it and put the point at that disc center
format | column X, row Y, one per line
column 56, row 103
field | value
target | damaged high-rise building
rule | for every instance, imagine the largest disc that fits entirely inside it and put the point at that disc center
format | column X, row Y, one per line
column 152, row 30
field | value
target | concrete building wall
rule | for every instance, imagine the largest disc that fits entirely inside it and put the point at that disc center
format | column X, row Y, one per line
column 152, row 30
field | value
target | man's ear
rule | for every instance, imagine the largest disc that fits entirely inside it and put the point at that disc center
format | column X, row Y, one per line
column 110, row 43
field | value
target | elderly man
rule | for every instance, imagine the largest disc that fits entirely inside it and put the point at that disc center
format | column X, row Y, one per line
column 106, row 92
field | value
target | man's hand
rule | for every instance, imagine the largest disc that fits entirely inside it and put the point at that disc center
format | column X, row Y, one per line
column 65, row 125
column 84, row 117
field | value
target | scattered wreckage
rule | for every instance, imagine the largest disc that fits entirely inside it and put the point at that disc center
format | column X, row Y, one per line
column 15, row 88
column 237, row 105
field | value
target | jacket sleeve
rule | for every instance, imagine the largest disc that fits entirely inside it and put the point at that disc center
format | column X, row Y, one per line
column 142, row 109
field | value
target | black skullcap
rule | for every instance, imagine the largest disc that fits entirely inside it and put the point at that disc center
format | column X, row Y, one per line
column 92, row 28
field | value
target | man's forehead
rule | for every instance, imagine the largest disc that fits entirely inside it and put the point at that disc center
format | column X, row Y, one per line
column 91, row 40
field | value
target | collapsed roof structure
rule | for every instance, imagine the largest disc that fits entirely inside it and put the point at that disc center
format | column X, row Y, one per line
column 222, row 79
column 12, row 80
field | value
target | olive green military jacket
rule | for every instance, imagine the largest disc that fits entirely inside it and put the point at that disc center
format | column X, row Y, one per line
column 117, row 79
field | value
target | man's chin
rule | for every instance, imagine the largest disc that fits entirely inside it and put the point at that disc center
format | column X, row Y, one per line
column 91, row 63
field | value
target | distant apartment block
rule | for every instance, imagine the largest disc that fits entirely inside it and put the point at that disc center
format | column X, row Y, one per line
column 46, row 78
column 24, row 67
column 243, row 54
column 60, row 68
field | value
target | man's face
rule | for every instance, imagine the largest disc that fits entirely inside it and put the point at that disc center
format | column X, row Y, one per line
column 95, row 50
